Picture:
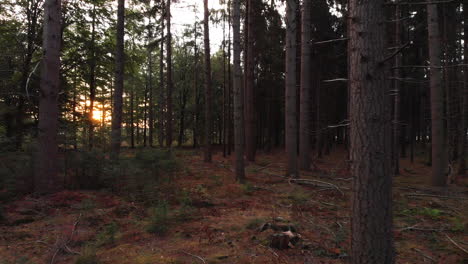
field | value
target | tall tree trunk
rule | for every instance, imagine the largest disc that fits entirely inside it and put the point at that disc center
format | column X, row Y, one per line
column 306, row 81
column 397, row 91
column 250, row 137
column 46, row 171
column 230, row 107
column 169, row 76
column 439, row 151
column 92, row 79
column 132, row 119
column 225, row 92
column 464, row 144
column 196, row 97
column 162, row 101
column 208, row 92
column 291, row 89
column 150, row 99
column 116, row 131
column 238, row 95
column 32, row 15
column 371, row 130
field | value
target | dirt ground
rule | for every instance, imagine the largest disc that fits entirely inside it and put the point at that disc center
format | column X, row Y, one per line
column 222, row 221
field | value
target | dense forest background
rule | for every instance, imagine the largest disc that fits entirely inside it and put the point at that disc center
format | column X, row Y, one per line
column 112, row 104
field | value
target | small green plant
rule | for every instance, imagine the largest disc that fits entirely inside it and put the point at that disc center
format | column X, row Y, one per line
column 217, row 180
column 254, row 223
column 87, row 205
column 247, row 188
column 88, row 256
column 299, row 197
column 107, row 236
column 186, row 209
column 159, row 219
column 429, row 212
column 457, row 225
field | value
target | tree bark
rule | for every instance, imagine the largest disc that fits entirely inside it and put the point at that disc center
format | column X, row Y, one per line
column 464, row 145
column 208, row 92
column 370, row 135
column 397, row 86
column 439, row 151
column 238, row 95
column 46, row 171
column 250, row 137
column 116, row 132
column 92, row 79
column 162, row 101
column 306, row 81
column 169, row 76
column 291, row 89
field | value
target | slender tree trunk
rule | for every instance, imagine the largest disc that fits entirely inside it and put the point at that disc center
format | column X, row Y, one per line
column 371, row 130
column 116, row 132
column 225, row 92
column 46, row 171
column 291, row 89
column 150, row 100
column 92, row 80
column 439, row 150
column 132, row 119
column 464, row 145
column 230, row 107
column 250, row 137
column 238, row 95
column 306, row 81
column 169, row 76
column 208, row 92
column 196, row 97
column 397, row 91
column 162, row 101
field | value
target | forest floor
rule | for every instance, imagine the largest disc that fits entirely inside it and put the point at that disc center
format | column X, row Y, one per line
column 211, row 219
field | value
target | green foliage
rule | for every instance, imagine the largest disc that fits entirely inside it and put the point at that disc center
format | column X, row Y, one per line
column 254, row 223
column 19, row 260
column 429, row 212
column 299, row 196
column 186, row 209
column 16, row 170
column 88, row 168
column 159, row 219
column 457, row 225
column 107, row 236
column 88, row 256
column 247, row 188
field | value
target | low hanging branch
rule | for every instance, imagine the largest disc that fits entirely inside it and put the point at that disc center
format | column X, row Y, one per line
column 336, row 80
column 398, row 51
column 330, row 41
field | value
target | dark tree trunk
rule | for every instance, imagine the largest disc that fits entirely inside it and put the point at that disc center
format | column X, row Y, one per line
column 464, row 145
column 116, row 132
column 291, row 89
column 438, row 138
column 238, row 96
column 46, row 165
column 306, row 81
column 397, row 93
column 169, row 77
column 92, row 79
column 208, row 92
column 250, row 137
column 132, row 119
column 162, row 101
column 371, row 131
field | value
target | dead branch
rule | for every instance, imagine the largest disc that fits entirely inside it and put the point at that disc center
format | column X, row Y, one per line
column 456, row 244
column 330, row 41
column 424, row 255
column 327, row 184
column 195, row 256
column 64, row 245
column 398, row 51
column 435, row 196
